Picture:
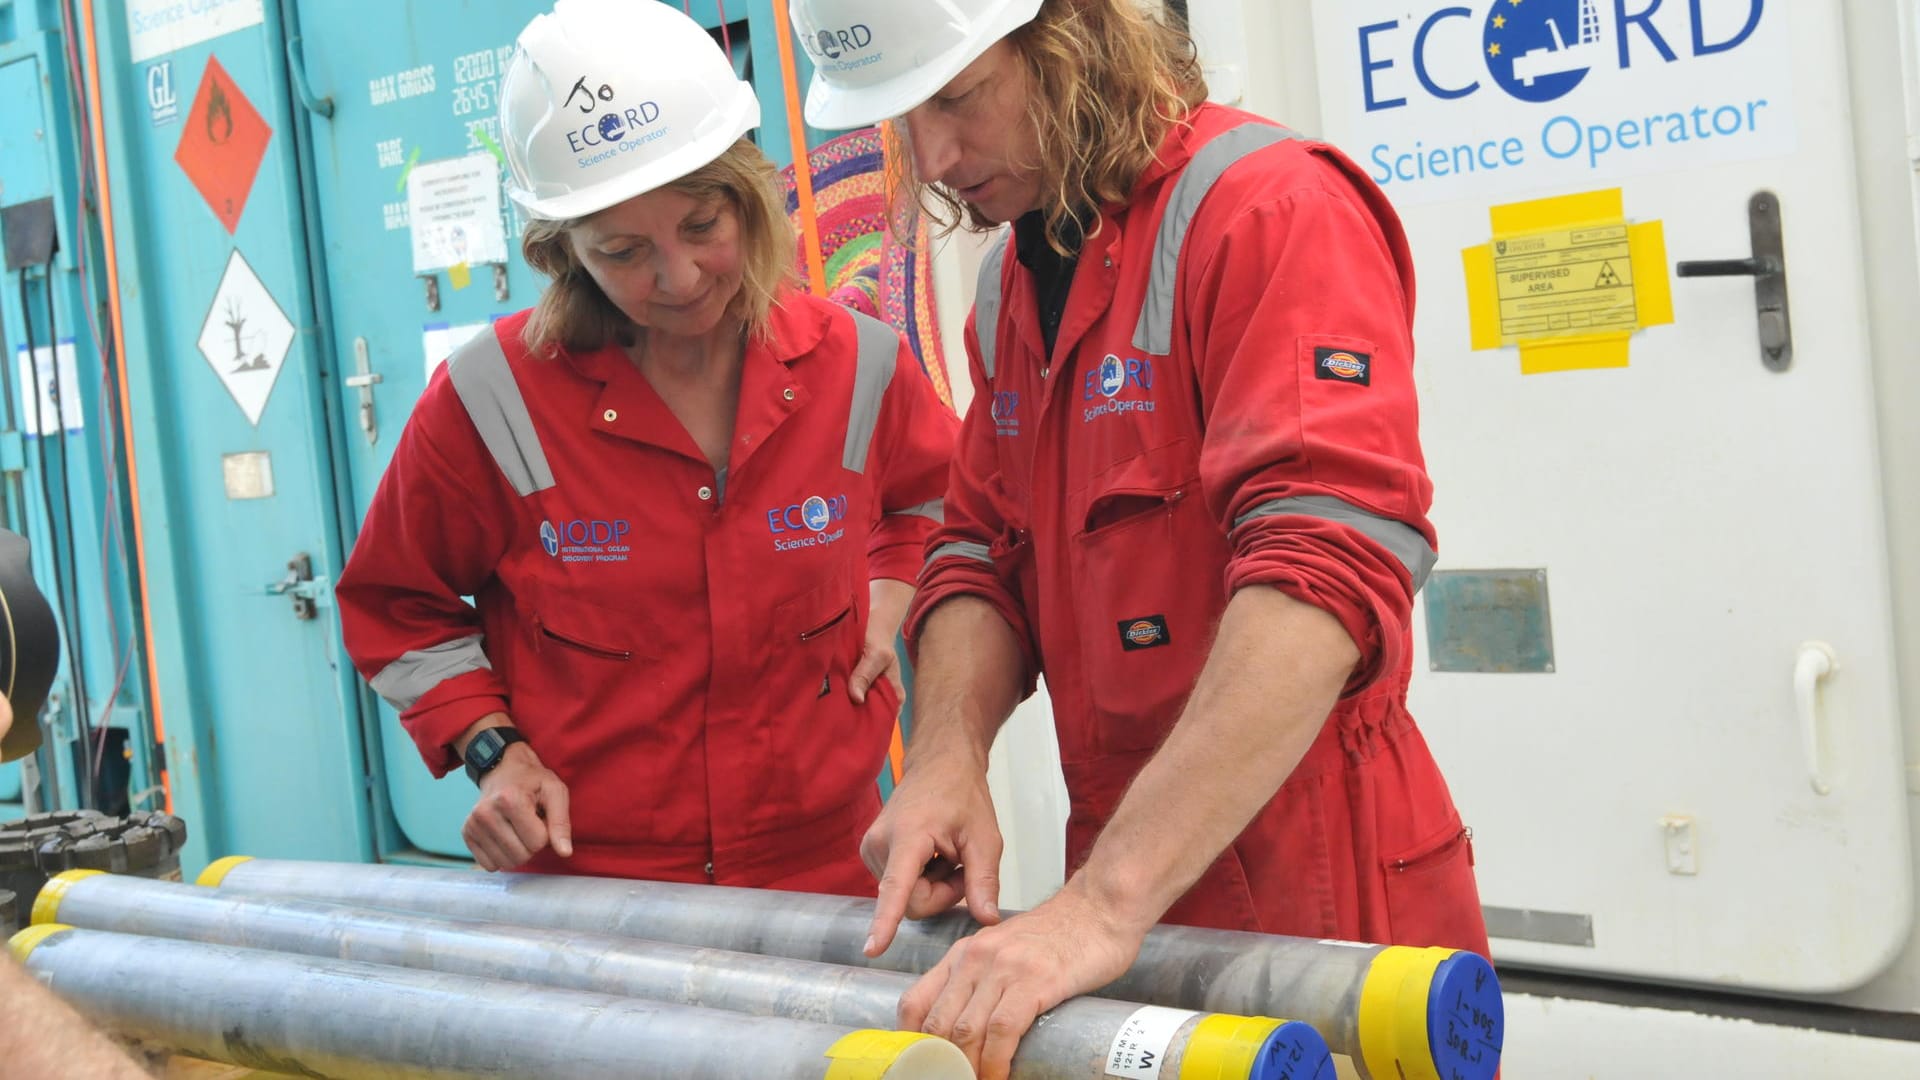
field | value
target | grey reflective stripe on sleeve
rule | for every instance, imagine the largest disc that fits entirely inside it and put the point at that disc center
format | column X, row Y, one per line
column 961, row 549
column 986, row 300
column 1398, row 537
column 1154, row 333
column 873, row 371
column 484, row 381
column 408, row 679
column 935, row 509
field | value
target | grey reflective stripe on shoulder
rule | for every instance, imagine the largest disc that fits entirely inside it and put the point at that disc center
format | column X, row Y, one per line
column 934, row 509
column 1398, row 537
column 408, row 679
column 873, row 370
column 986, row 300
column 484, row 380
column 961, row 549
column 1154, row 333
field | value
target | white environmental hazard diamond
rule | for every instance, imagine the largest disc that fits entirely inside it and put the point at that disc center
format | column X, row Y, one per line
column 245, row 338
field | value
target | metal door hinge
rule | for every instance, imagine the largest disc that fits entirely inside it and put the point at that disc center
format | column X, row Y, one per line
column 309, row 593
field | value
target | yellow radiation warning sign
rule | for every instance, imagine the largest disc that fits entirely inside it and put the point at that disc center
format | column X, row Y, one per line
column 1568, row 280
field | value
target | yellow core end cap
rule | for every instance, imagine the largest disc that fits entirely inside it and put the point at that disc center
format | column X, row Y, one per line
column 46, row 906
column 896, row 1055
column 1224, row 1046
column 23, row 943
column 1394, row 1040
column 217, row 871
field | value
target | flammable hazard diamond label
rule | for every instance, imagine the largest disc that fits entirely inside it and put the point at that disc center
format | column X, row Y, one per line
column 222, row 142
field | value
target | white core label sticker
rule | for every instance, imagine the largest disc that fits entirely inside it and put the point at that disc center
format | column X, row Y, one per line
column 1141, row 1044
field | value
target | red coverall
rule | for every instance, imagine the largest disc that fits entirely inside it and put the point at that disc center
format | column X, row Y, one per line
column 674, row 644
column 1109, row 501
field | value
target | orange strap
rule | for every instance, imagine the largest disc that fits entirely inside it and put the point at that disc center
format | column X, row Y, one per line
column 897, row 755
column 802, row 159
column 102, row 181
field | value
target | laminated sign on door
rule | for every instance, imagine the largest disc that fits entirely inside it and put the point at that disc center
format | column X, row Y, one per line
column 1568, row 280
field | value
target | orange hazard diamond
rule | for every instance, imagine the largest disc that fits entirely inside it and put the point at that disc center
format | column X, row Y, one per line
column 222, row 144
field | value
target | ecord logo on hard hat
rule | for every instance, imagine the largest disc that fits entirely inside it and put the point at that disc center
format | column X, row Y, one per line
column 609, row 127
column 835, row 44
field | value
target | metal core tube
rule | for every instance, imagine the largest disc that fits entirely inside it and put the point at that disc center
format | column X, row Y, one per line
column 317, row 1017
column 1421, row 1012
column 1077, row 1040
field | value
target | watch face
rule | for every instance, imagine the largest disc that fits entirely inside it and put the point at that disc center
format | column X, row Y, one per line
column 484, row 752
column 486, row 749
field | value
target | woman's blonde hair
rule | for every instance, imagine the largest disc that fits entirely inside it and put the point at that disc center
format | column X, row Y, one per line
column 1106, row 79
column 573, row 313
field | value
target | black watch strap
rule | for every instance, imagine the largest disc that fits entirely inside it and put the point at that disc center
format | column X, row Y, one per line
column 485, row 750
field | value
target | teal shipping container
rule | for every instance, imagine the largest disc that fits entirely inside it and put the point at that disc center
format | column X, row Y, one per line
column 254, row 181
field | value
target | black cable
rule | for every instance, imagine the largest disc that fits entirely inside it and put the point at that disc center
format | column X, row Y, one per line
column 50, row 779
column 46, row 503
column 81, row 694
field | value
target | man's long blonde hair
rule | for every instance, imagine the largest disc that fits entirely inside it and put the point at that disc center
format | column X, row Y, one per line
column 1106, row 79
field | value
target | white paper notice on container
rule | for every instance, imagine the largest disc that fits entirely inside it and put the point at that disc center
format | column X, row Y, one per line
column 50, row 410
column 156, row 27
column 453, row 207
column 1141, row 1045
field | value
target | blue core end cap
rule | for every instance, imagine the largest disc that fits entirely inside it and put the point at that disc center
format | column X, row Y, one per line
column 1466, row 1018
column 1294, row 1051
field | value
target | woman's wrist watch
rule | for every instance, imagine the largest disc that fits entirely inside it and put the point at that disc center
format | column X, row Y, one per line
column 486, row 749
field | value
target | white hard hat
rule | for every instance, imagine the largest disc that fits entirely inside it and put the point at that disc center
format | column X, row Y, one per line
column 876, row 59
column 608, row 99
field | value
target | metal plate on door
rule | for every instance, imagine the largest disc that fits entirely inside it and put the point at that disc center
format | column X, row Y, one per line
column 1489, row 621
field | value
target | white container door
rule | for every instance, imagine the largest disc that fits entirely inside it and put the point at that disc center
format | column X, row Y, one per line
column 1697, row 533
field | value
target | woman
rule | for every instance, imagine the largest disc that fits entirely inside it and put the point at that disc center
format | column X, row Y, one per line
column 672, row 489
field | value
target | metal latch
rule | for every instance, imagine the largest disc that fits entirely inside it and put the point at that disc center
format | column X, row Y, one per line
column 364, row 380
column 309, row 593
column 1768, row 268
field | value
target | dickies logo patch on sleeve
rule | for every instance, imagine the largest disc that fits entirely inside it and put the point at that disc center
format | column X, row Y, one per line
column 1146, row 632
column 1343, row 365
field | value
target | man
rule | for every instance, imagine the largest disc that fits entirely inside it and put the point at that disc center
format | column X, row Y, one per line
column 1193, row 495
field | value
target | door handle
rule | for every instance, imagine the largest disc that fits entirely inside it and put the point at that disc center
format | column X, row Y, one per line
column 1767, row 266
column 1757, row 266
column 297, row 75
column 364, row 379
column 1811, row 667
column 309, row 593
